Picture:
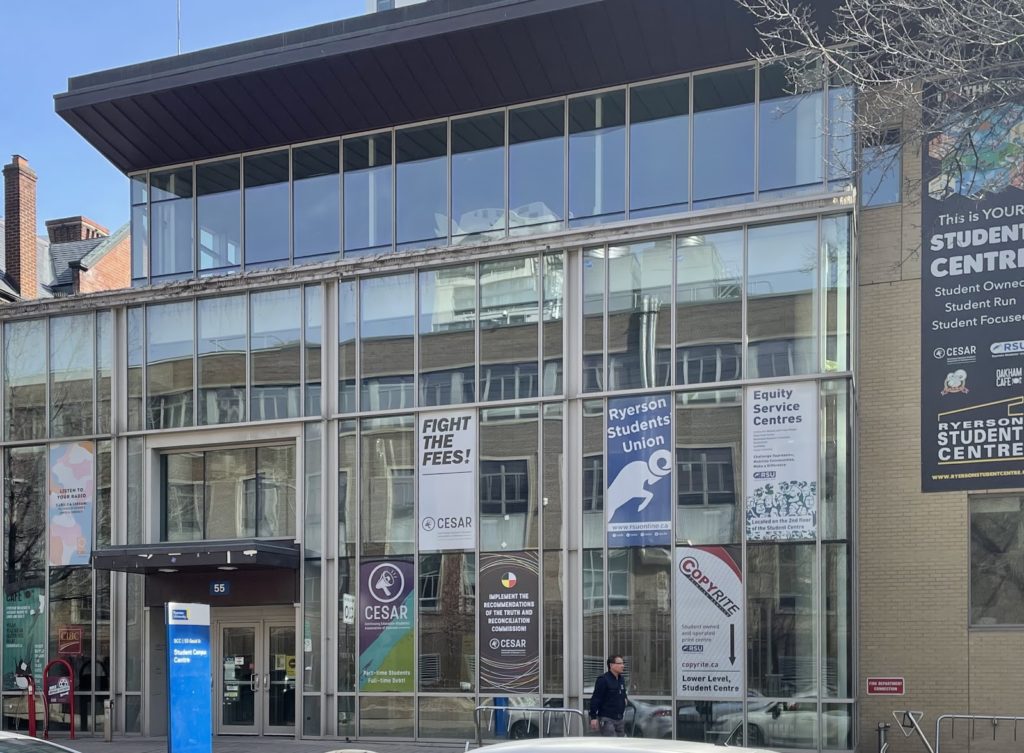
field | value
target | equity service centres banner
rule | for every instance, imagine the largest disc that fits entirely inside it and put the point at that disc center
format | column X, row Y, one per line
column 972, row 289
column 638, row 502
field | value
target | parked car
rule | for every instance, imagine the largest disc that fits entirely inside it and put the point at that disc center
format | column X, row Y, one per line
column 696, row 720
column 643, row 719
column 12, row 742
column 648, row 719
column 597, row 744
column 786, row 724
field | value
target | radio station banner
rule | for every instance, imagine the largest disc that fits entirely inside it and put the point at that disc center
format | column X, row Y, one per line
column 509, row 623
column 386, row 592
column 972, row 291
column 447, row 479
column 709, row 622
column 781, row 461
column 72, row 493
column 638, row 501
column 189, row 697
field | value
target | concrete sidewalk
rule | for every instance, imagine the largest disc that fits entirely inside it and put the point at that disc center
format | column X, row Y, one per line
column 259, row 745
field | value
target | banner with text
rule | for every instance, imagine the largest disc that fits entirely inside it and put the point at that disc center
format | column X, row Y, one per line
column 972, row 321
column 189, row 697
column 72, row 492
column 638, row 501
column 24, row 633
column 781, row 461
column 709, row 622
column 509, row 623
column 386, row 625
column 447, row 478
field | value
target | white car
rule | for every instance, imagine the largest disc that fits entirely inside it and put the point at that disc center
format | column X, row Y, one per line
column 786, row 724
column 596, row 744
column 12, row 742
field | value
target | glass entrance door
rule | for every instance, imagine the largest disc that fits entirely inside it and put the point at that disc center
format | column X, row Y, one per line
column 256, row 692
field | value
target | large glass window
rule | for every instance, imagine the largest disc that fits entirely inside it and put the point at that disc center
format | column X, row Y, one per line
column 368, row 193
column 709, row 300
column 881, row 169
column 536, row 167
column 140, row 228
column 723, row 137
column 447, row 325
column 447, row 622
column 220, row 215
column 266, row 209
column 659, row 148
column 222, row 360
column 275, row 326
column 478, row 177
column 997, row 550
column 229, row 493
column 104, row 369
column 316, row 201
column 835, row 242
column 421, row 193
column 171, row 215
column 347, row 346
column 71, row 375
column 597, row 158
column 25, row 379
column 509, row 301
column 792, row 131
column 314, row 305
column 70, row 603
column 508, row 479
column 553, row 327
column 387, row 321
column 387, row 479
column 640, row 616
column 136, row 327
column 169, row 348
column 782, row 276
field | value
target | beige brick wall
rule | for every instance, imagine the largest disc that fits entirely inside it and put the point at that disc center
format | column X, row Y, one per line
column 913, row 564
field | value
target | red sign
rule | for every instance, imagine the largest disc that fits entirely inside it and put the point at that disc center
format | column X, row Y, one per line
column 69, row 641
column 885, row 686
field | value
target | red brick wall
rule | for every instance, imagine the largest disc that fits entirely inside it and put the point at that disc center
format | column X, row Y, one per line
column 112, row 272
column 20, row 226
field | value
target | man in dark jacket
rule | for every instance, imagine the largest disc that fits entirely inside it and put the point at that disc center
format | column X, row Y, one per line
column 608, row 704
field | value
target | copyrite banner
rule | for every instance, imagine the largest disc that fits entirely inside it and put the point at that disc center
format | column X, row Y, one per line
column 972, row 290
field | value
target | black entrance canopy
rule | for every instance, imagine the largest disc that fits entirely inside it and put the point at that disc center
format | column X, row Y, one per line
column 198, row 556
column 419, row 62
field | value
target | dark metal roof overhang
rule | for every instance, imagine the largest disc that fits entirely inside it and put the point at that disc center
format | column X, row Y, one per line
column 199, row 556
column 440, row 58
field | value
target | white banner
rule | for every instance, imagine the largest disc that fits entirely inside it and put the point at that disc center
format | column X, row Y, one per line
column 781, row 461
column 709, row 622
column 447, row 479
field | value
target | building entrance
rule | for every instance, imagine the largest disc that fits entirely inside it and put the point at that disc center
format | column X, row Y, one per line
column 255, row 674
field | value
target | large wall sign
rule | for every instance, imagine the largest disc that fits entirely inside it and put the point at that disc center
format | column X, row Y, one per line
column 189, row 697
column 72, row 491
column 709, row 622
column 386, row 592
column 638, row 501
column 782, row 461
column 24, row 633
column 509, row 623
column 972, row 290
column 447, row 478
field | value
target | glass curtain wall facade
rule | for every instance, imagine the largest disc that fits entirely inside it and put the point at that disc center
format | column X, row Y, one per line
column 316, row 392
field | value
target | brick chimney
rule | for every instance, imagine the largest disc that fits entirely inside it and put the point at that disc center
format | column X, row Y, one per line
column 20, row 226
column 74, row 229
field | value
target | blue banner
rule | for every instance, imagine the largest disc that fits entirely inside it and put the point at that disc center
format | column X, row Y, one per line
column 638, row 501
column 190, row 726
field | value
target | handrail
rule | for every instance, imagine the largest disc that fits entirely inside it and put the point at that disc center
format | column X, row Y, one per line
column 525, row 709
column 994, row 719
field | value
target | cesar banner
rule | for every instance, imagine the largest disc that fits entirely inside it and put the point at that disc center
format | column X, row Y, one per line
column 189, row 697
column 638, row 501
column 509, row 625
column 709, row 622
column 447, row 478
column 781, row 461
column 72, row 491
column 385, row 625
column 972, row 289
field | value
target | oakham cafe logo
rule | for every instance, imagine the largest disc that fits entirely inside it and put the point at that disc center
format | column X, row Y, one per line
column 956, row 381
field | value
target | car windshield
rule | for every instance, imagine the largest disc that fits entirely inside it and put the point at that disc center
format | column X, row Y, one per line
column 26, row 745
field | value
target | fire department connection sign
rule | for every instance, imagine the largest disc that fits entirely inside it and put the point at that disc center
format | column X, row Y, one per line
column 709, row 622
column 447, row 479
column 972, row 304
column 782, row 461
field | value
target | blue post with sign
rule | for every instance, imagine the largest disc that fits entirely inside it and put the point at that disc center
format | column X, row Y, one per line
column 190, row 726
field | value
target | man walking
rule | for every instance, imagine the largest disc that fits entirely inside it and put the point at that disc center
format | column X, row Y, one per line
column 608, row 704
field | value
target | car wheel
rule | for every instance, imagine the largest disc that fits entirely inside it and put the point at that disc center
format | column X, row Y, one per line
column 755, row 737
column 522, row 731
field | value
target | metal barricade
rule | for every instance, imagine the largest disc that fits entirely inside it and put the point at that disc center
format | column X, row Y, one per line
column 909, row 722
column 545, row 721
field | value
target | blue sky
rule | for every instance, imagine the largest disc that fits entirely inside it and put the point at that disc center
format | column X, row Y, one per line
column 45, row 42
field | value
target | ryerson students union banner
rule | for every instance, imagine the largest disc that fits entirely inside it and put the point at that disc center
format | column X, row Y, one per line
column 972, row 291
